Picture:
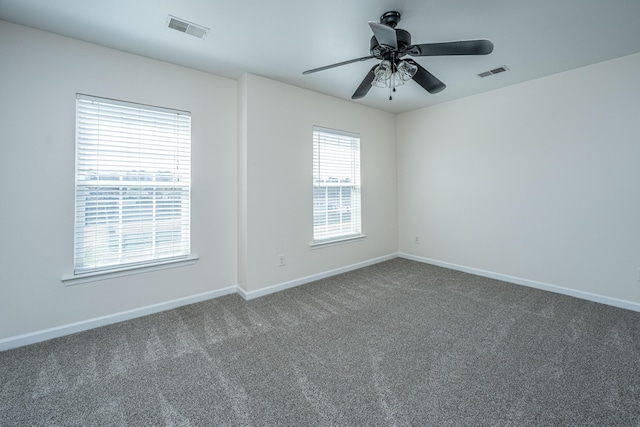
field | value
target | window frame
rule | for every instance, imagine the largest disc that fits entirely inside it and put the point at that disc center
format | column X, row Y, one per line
column 159, row 198
column 350, row 210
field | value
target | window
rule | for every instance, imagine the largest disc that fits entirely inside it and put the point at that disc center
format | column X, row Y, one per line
column 133, row 173
column 336, row 185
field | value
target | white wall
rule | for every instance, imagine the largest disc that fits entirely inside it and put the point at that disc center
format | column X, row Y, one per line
column 539, row 181
column 242, row 180
column 278, row 189
column 39, row 78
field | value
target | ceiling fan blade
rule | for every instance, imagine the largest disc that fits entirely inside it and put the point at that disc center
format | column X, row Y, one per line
column 468, row 47
column 326, row 67
column 364, row 87
column 385, row 35
column 427, row 80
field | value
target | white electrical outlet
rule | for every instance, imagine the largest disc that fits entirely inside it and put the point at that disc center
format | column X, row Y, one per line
column 417, row 240
column 281, row 260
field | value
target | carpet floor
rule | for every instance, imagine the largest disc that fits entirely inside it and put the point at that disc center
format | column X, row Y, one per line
column 398, row 343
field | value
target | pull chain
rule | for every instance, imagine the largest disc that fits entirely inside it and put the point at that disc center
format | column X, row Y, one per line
column 392, row 86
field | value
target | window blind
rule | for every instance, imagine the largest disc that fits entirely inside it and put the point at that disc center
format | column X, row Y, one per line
column 336, row 185
column 132, row 185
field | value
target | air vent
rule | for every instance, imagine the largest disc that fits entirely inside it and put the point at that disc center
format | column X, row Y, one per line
column 494, row 71
column 187, row 27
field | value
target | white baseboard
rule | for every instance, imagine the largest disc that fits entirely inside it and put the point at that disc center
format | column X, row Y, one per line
column 312, row 278
column 46, row 334
column 59, row 331
column 615, row 302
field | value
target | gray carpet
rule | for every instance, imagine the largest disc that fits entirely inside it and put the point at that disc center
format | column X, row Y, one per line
column 398, row 343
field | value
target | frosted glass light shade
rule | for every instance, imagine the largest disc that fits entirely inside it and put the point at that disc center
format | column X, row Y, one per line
column 382, row 74
column 406, row 71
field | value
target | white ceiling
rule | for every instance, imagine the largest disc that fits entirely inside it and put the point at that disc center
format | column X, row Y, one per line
column 279, row 39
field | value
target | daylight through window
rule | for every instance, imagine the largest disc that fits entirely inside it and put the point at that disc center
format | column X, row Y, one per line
column 133, row 173
column 336, row 185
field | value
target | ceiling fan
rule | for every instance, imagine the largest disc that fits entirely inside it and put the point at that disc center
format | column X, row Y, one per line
column 390, row 45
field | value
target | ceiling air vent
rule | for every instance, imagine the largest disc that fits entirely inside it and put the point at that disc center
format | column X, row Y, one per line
column 494, row 71
column 187, row 27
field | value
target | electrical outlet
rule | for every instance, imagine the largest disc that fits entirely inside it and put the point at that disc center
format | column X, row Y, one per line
column 638, row 275
column 281, row 260
column 417, row 240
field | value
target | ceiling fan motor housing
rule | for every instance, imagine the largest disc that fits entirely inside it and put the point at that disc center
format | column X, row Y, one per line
column 378, row 51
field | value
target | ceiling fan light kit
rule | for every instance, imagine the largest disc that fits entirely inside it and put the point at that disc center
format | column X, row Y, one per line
column 386, row 74
column 389, row 75
column 390, row 45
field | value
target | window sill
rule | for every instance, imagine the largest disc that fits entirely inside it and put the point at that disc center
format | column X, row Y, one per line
column 78, row 279
column 339, row 241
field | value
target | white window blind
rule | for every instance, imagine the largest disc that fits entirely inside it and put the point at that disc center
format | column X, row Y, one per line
column 133, row 175
column 336, row 185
